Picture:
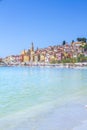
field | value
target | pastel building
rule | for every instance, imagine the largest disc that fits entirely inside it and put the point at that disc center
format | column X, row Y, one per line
column 28, row 55
column 25, row 56
column 42, row 58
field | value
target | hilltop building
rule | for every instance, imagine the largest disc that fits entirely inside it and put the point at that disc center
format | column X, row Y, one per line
column 50, row 54
column 53, row 53
column 28, row 55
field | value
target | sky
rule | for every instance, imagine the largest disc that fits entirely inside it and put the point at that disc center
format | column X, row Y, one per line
column 43, row 22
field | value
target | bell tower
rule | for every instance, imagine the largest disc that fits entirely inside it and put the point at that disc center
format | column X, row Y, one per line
column 32, row 52
column 32, row 47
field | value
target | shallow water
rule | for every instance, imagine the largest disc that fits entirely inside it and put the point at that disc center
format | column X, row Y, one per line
column 32, row 94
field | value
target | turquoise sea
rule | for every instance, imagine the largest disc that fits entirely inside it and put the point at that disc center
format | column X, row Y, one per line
column 32, row 97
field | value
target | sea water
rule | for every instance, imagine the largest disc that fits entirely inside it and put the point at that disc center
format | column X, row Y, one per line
column 32, row 93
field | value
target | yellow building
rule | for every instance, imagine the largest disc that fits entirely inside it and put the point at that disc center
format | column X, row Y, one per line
column 28, row 55
column 26, row 58
column 42, row 58
column 24, row 52
column 52, row 58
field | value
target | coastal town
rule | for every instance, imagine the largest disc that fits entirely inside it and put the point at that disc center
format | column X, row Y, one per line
column 72, row 53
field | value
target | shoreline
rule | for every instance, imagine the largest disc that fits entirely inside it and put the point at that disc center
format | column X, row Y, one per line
column 60, row 65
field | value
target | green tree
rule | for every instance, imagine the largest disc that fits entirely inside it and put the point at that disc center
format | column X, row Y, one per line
column 64, row 42
column 72, row 41
column 81, row 58
column 53, row 61
column 81, row 39
column 85, row 47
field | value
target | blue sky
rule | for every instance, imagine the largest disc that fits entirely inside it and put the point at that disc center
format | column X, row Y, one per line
column 44, row 22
